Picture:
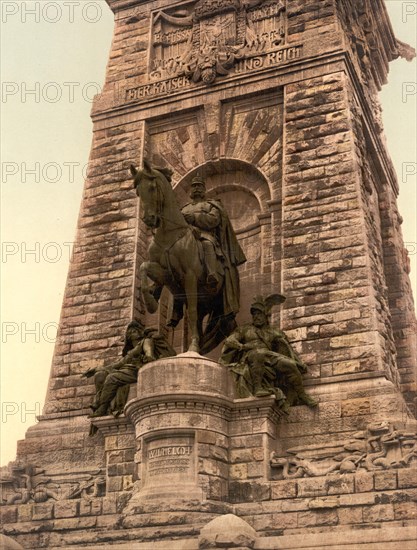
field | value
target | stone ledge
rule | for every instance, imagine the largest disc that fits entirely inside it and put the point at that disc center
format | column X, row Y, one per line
column 392, row 538
column 111, row 425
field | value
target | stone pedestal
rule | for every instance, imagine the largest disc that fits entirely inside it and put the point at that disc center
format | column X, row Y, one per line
column 192, row 437
column 181, row 418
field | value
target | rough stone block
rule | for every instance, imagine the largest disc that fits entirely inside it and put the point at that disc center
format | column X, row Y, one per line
column 294, row 505
column 42, row 511
column 240, row 455
column 74, row 523
column 283, row 489
column 255, row 470
column 252, row 491
column 382, row 512
column 353, row 514
column 312, row 487
column 66, row 509
column 263, row 522
column 110, row 504
column 356, row 407
column 337, row 485
column 246, row 441
column 385, row 480
column 405, row 510
column 317, row 518
column 8, row 514
column 125, row 442
column 24, row 512
column 114, row 484
column 238, row 471
column 258, row 453
column 206, row 437
column 407, row 478
column 364, row 481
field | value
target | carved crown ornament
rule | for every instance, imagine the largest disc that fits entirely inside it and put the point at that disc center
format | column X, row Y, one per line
column 206, row 39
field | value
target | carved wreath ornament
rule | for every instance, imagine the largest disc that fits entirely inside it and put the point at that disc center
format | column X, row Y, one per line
column 207, row 41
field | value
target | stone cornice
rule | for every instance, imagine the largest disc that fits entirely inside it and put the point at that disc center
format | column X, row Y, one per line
column 183, row 402
column 371, row 37
column 270, row 78
column 117, row 5
column 385, row 163
column 110, row 425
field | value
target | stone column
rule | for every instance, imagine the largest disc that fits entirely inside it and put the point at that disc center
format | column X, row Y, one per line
column 181, row 418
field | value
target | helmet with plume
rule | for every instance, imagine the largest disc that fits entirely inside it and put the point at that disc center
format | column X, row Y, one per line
column 265, row 304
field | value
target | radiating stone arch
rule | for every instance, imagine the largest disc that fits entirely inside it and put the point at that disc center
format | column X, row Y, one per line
column 236, row 173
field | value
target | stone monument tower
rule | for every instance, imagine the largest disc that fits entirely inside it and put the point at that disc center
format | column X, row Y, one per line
column 275, row 104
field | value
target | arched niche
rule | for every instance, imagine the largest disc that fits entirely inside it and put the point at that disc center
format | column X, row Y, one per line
column 225, row 177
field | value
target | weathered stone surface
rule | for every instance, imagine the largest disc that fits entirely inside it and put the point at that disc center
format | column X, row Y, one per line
column 228, row 531
column 293, row 147
column 9, row 544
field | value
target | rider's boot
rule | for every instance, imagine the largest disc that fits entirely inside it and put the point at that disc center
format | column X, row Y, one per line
column 257, row 373
column 99, row 379
column 306, row 399
column 300, row 395
column 213, row 279
column 100, row 411
column 294, row 380
column 177, row 312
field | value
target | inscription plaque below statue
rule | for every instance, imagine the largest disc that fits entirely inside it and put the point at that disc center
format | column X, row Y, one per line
column 169, row 461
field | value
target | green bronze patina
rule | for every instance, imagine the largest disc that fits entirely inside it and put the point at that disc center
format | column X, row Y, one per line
column 262, row 359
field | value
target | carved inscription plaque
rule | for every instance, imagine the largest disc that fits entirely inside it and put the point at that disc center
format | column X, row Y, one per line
column 204, row 40
column 246, row 65
column 200, row 42
column 169, row 458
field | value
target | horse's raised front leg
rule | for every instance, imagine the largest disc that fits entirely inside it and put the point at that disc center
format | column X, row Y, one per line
column 151, row 293
column 190, row 283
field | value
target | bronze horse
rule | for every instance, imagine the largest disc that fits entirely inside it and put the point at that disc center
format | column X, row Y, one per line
column 175, row 261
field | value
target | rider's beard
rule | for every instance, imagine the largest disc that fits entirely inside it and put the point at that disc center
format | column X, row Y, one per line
column 198, row 197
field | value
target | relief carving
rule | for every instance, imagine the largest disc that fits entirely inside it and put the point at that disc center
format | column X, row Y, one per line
column 205, row 40
column 381, row 447
column 23, row 483
column 26, row 483
column 94, row 486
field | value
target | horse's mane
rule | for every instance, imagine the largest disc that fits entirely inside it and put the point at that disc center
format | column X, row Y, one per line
column 167, row 172
column 150, row 171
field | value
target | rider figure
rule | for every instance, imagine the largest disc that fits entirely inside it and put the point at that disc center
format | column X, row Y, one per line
column 206, row 217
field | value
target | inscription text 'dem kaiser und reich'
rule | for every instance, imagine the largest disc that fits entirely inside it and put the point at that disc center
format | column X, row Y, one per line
column 172, row 85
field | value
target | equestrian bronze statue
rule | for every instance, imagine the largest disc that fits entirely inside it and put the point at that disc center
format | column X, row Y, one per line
column 178, row 258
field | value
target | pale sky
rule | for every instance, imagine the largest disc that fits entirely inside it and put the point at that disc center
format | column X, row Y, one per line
column 53, row 61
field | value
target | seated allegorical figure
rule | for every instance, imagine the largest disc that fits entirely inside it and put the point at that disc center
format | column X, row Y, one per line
column 263, row 360
column 112, row 382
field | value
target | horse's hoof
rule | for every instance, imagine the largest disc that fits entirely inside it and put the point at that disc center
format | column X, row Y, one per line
column 194, row 346
column 150, row 303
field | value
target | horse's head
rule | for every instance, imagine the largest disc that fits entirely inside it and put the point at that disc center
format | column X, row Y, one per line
column 149, row 185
